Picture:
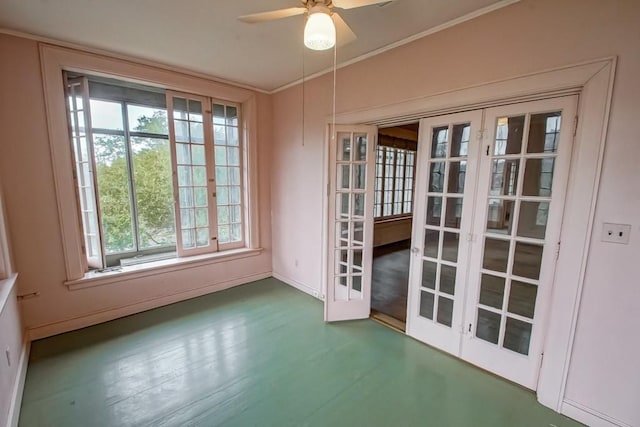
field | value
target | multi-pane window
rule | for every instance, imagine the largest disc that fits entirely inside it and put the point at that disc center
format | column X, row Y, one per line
column 150, row 180
column 228, row 172
column 394, row 181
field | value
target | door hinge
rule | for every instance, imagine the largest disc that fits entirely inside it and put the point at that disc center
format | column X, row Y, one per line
column 575, row 125
column 558, row 251
column 328, row 189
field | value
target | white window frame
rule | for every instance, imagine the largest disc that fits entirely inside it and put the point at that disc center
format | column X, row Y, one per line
column 55, row 60
column 381, row 201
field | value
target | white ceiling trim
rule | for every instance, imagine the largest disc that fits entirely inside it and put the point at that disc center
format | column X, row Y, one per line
column 441, row 27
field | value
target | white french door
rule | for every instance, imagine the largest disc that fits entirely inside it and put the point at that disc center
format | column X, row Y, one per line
column 447, row 152
column 350, row 237
column 485, row 244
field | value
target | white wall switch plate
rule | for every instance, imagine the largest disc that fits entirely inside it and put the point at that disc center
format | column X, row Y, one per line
column 616, row 233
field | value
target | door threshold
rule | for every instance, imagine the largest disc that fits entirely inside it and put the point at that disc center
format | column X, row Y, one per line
column 389, row 321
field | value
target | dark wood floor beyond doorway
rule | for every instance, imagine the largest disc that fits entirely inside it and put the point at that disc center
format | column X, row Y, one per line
column 390, row 280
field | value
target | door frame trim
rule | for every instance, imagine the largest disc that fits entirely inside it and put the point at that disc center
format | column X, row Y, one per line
column 594, row 81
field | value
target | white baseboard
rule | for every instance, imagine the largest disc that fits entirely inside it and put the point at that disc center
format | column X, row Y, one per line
column 18, row 388
column 589, row 416
column 300, row 286
column 43, row 331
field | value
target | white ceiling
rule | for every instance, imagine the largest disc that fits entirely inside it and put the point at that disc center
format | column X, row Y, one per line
column 205, row 36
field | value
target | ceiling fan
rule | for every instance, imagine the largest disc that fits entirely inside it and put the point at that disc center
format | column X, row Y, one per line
column 322, row 22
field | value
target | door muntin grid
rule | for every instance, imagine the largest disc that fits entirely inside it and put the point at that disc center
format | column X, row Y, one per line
column 351, row 188
column 446, row 165
column 523, row 158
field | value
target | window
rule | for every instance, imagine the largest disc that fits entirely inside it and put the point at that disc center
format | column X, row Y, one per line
column 158, row 173
column 394, row 181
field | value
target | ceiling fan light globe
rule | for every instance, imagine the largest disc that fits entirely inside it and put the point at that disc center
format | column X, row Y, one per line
column 319, row 32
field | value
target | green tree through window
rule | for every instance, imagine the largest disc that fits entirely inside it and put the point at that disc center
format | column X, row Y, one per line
column 152, row 183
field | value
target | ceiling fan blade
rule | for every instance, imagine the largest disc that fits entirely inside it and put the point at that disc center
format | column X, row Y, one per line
column 352, row 4
column 256, row 18
column 344, row 33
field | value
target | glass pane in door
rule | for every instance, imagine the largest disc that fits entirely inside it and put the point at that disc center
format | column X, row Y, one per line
column 517, row 206
column 446, row 182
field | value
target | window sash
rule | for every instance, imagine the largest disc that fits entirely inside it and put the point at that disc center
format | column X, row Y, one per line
column 186, row 235
column 232, row 244
column 129, row 136
column 81, row 138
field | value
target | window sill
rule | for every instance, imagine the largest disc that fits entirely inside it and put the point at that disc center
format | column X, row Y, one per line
column 6, row 286
column 92, row 278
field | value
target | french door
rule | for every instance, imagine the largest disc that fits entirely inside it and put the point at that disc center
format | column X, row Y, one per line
column 351, row 182
column 486, row 232
column 448, row 149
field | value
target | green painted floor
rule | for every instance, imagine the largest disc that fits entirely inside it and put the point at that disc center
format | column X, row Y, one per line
column 260, row 355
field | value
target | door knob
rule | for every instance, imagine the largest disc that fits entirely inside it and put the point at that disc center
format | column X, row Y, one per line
column 415, row 250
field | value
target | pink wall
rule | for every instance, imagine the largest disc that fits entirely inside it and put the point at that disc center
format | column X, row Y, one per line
column 26, row 170
column 526, row 37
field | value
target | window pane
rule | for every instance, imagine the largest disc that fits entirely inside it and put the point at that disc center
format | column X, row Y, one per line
column 496, row 254
column 500, row 216
column 491, row 291
column 429, row 274
column 445, row 311
column 538, row 177
column 431, row 242
column 106, row 115
column 504, row 177
column 154, row 192
column 434, row 210
column 517, row 335
column 147, row 119
column 439, row 142
column 426, row 304
column 488, row 327
column 522, row 299
column 532, row 221
column 450, row 242
column 460, row 140
column 509, row 135
column 544, row 133
column 113, row 192
column 218, row 114
column 457, row 171
column 527, row 260
column 436, row 177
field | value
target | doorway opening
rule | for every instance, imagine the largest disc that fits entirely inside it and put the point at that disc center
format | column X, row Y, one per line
column 393, row 216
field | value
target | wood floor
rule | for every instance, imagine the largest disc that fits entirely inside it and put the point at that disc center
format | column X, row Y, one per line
column 390, row 280
column 260, row 355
